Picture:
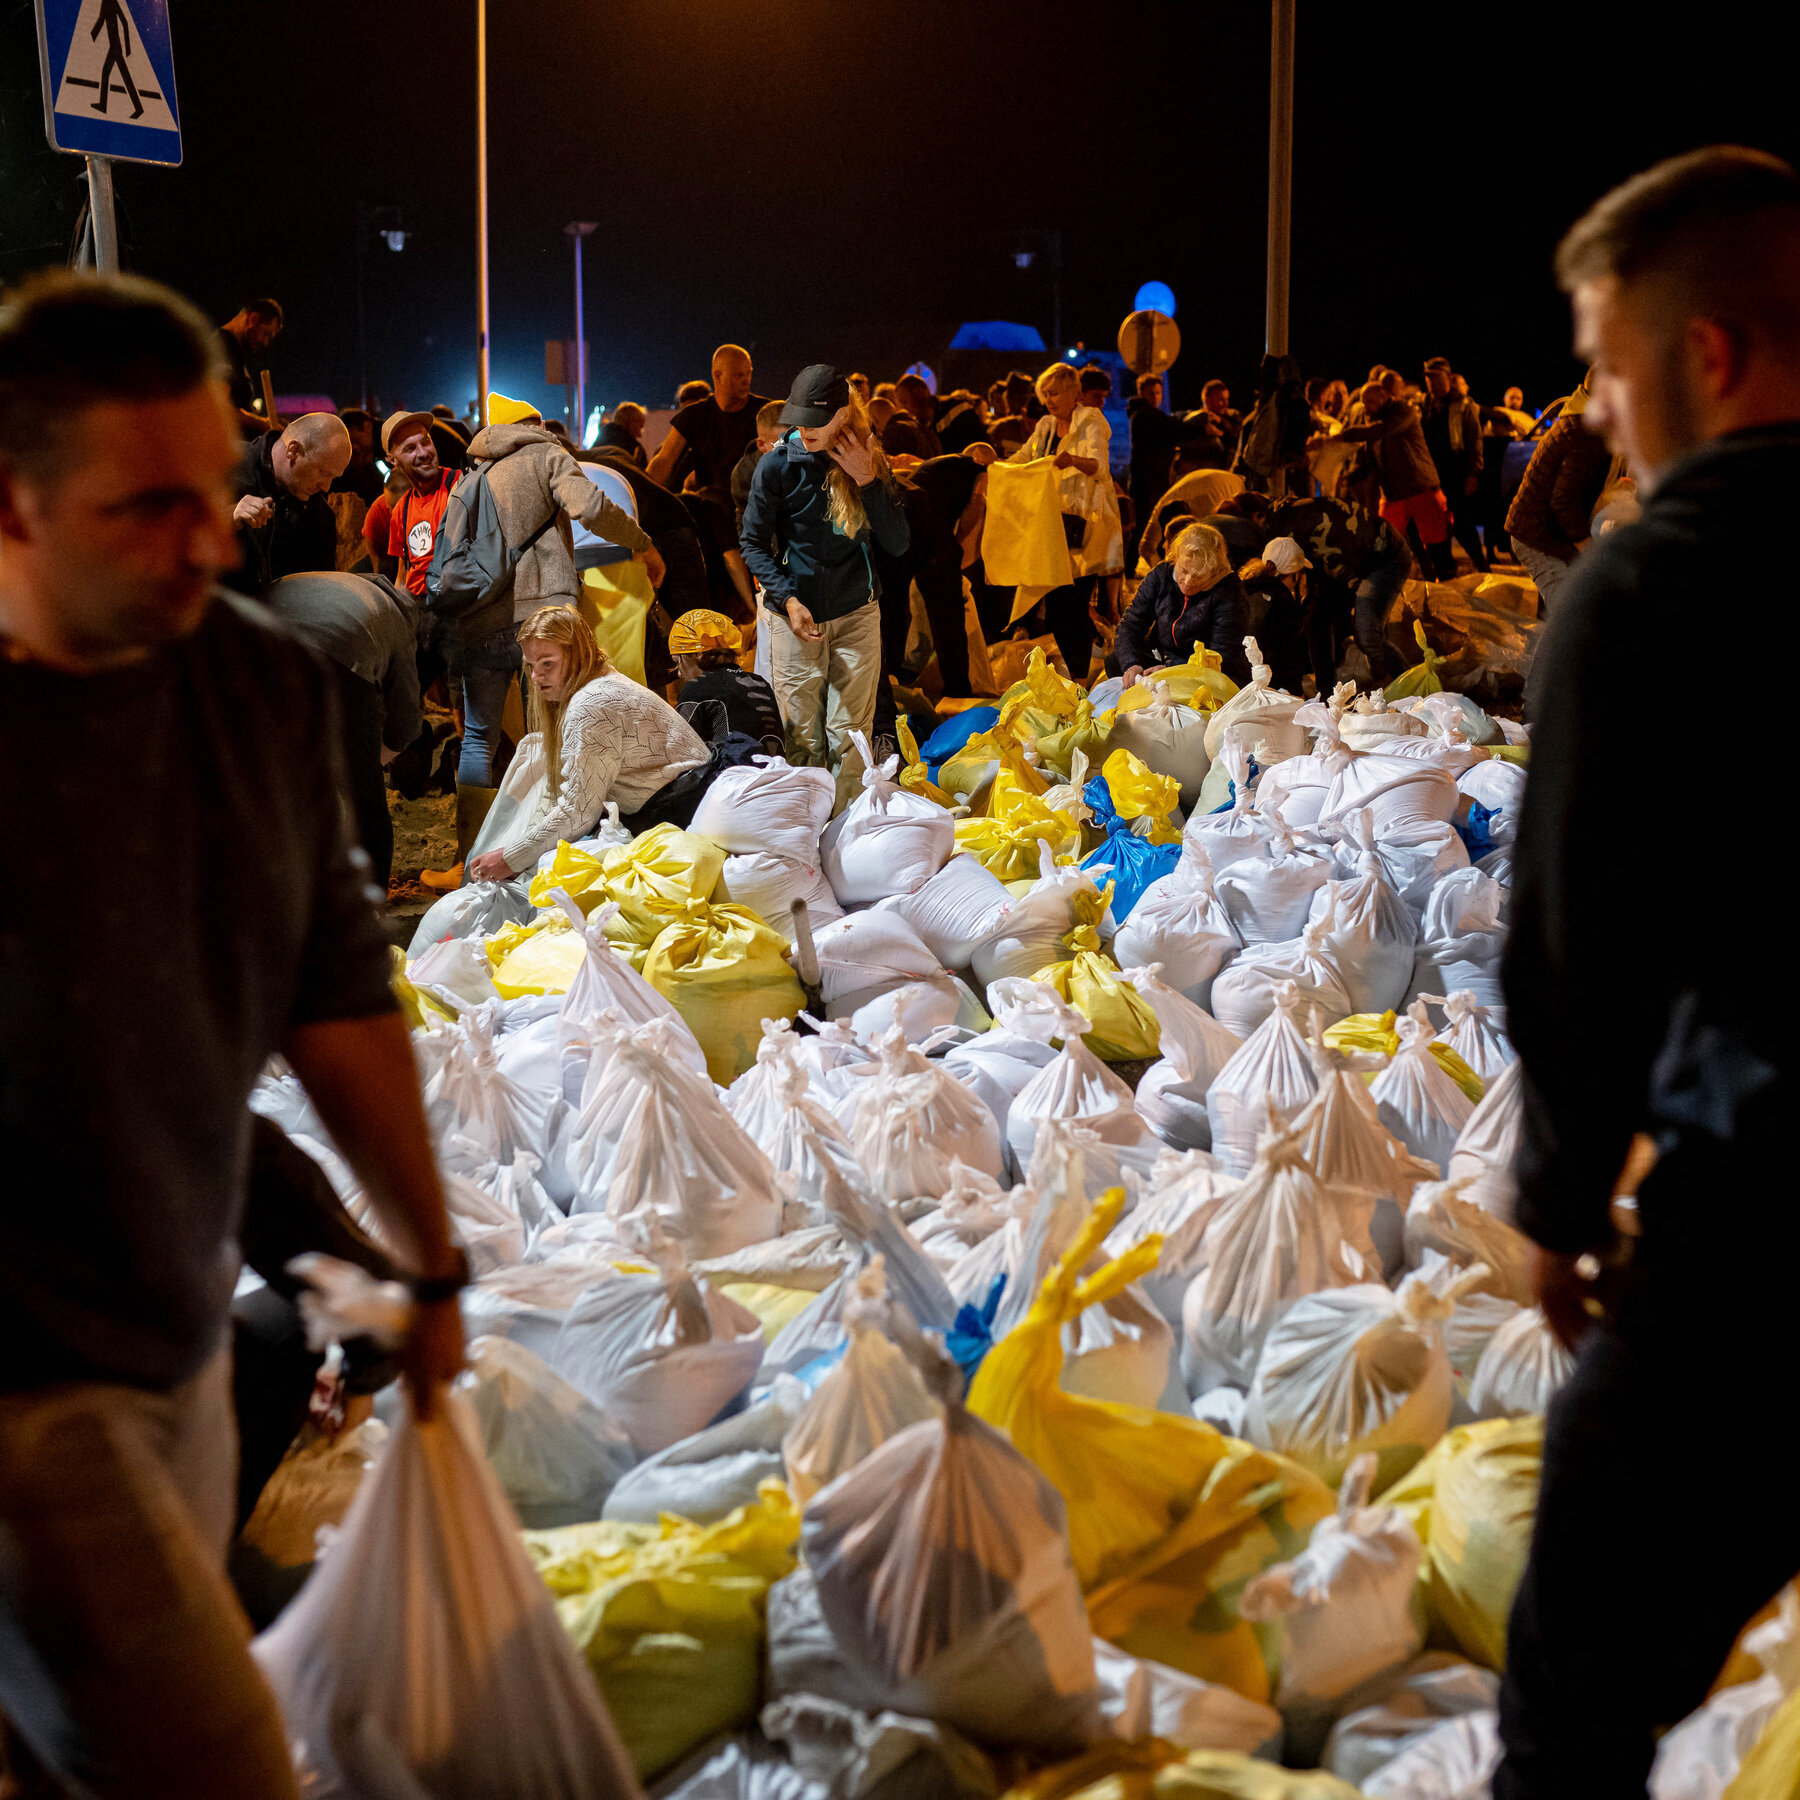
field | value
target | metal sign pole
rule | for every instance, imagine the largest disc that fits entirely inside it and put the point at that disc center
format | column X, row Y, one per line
column 1281, row 171
column 100, row 211
column 579, row 375
column 481, row 207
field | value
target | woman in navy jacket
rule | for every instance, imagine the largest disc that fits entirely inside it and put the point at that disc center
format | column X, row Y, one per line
column 1193, row 598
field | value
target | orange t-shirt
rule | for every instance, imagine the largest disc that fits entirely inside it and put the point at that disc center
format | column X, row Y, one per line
column 412, row 533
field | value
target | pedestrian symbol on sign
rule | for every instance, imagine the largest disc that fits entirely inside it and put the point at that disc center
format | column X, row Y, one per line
column 109, row 78
column 114, row 20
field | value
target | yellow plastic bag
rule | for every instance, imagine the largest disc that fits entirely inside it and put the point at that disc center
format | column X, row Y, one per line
column 616, row 601
column 1147, row 1492
column 580, row 875
column 421, row 1011
column 1153, row 1769
column 1125, row 1027
column 1375, row 1032
column 1139, row 792
column 725, row 971
column 1772, row 1769
column 1200, row 682
column 1083, row 732
column 671, row 1617
column 657, row 879
column 1022, row 542
column 1008, row 847
column 541, row 959
column 1040, row 701
column 774, row 1306
column 1422, row 677
column 968, row 776
column 915, row 777
column 1473, row 1501
column 1015, row 781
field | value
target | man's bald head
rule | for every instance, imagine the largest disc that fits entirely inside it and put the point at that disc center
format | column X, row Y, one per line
column 311, row 454
column 731, row 373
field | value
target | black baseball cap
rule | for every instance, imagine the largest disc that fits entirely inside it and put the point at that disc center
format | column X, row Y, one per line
column 816, row 397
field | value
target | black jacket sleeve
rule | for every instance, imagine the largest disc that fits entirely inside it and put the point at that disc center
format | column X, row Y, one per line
column 1135, row 645
column 1227, row 624
column 757, row 534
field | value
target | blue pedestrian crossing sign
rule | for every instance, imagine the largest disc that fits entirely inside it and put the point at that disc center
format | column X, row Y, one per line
column 109, row 79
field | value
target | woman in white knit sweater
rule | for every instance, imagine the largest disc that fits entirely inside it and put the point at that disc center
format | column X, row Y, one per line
column 605, row 738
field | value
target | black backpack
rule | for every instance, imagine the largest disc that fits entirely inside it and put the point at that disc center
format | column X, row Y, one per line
column 469, row 584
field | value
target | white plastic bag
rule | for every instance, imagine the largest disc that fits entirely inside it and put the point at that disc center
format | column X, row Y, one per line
column 1076, row 1087
column 1372, row 936
column 1180, row 923
column 1030, row 932
column 767, row 806
column 1474, row 1034
column 1142, row 1699
column 1415, row 1099
column 1455, row 1760
column 1268, row 897
column 998, row 1063
column 1244, row 995
column 1296, row 789
column 769, row 885
column 455, row 971
column 1274, row 1067
column 1399, row 791
column 961, row 906
column 1521, row 1368
column 476, row 910
column 1264, row 712
column 1168, row 738
column 887, row 840
column 605, row 979
column 914, row 1119
column 1177, row 1203
column 1436, row 1686
column 1489, row 1143
column 868, row 950
column 1171, row 1093
column 1239, row 831
column 424, row 1659
column 1462, row 937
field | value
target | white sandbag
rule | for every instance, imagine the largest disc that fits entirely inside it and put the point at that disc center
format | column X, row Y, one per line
column 864, row 950
column 914, row 1119
column 1296, row 789
column 1462, row 937
column 1520, row 1370
column 1171, row 1093
column 1167, row 738
column 1372, row 938
column 769, row 885
column 1180, row 923
column 1280, row 1236
column 556, row 1455
column 526, row 1303
column 661, row 1354
column 961, row 906
column 476, row 910
column 843, row 1749
column 1494, row 783
column 1344, row 1603
column 605, row 979
column 1177, row 1203
column 1488, row 1145
column 707, row 1477
column 872, row 1394
column 1244, row 995
column 1415, row 858
column 1415, row 1099
column 424, row 1656
column 767, row 806
column 493, row 1116
column 1435, row 1686
column 998, row 1063
column 456, row 971
column 1444, row 1220
column 800, row 1138
column 1075, row 1087
column 756, row 1099
column 993, row 1636
column 887, row 840
column 1452, row 714
column 1142, row 1699
column 1268, row 897
column 973, row 1208
column 1455, row 1760
column 1357, row 1369
column 1029, row 935
column 1239, row 830
column 1274, row 1067
column 1370, row 725
column 1474, row 1033
column 1265, row 713
column 1398, row 791
column 744, row 1767
column 654, row 1134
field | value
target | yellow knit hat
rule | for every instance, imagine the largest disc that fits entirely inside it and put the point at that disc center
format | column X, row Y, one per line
column 502, row 411
column 694, row 633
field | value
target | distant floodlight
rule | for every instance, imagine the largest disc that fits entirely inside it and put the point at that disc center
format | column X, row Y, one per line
column 1023, row 259
column 1155, row 296
column 395, row 240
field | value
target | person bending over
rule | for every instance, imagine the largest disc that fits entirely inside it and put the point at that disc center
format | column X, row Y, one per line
column 706, row 646
column 1193, row 598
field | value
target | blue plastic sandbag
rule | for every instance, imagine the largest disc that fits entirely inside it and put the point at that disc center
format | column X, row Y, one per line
column 1135, row 862
column 972, row 1336
column 1477, row 835
column 953, row 734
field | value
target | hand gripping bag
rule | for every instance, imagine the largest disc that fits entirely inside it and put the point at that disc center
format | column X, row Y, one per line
column 767, row 806
column 724, row 971
column 554, row 1453
column 942, row 1567
column 1244, row 995
column 1488, row 1145
column 1166, row 737
column 1474, row 1034
column 1123, row 1028
column 654, row 1134
column 886, row 841
column 1345, row 1609
column 769, row 885
column 1268, row 897
column 1281, row 1236
column 660, row 1353
column 1265, row 713
column 424, row 1660
column 1373, row 938
column 914, row 1120
column 1180, row 922
column 1462, row 936
column 656, row 879
column 1521, row 1368
column 872, row 1394
column 1414, row 1097
column 1274, row 1067
column 1171, row 1093
column 1075, row 1086
column 1356, row 1369
column 606, row 979
column 961, row 906
column 1176, row 1204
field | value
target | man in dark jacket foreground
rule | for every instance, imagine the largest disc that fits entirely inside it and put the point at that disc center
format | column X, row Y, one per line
column 1638, row 1030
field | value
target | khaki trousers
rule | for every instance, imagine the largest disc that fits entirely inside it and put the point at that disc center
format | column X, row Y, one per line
column 827, row 690
column 124, row 1656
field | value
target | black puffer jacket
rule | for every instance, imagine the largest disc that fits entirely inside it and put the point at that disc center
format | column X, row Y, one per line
column 1162, row 625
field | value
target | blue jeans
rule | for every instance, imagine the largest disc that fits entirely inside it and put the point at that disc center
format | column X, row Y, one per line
column 489, row 668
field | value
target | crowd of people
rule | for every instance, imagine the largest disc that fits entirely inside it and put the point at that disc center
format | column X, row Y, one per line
column 188, row 897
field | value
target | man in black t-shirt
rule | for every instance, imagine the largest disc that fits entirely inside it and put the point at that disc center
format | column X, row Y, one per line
column 706, row 439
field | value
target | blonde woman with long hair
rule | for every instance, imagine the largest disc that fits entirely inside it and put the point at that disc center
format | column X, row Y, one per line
column 604, row 737
column 820, row 502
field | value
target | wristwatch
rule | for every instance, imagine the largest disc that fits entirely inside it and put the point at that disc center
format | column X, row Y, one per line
column 432, row 1290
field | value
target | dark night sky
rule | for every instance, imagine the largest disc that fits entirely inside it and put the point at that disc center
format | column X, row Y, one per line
column 845, row 180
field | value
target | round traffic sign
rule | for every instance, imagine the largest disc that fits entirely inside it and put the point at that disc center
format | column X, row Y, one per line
column 1149, row 341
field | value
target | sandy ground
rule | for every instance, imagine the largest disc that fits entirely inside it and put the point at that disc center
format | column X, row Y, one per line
column 424, row 838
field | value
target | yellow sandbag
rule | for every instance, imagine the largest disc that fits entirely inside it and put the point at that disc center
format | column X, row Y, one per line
column 1375, row 1032
column 1016, row 782
column 1022, row 542
column 671, row 1617
column 1125, row 1027
column 774, row 1306
column 1153, row 1769
column 542, row 960
column 578, row 873
column 967, row 775
column 656, row 879
column 725, row 971
column 1040, row 701
column 1422, row 677
column 1084, row 732
column 421, row 1011
column 1200, row 682
column 1008, row 847
column 616, row 601
column 1772, row 1769
column 915, row 777
column 1139, row 792
column 1010, row 658
column 1473, row 1501
column 1519, row 754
